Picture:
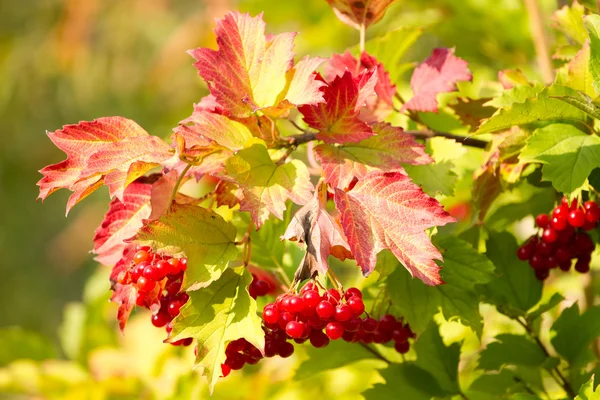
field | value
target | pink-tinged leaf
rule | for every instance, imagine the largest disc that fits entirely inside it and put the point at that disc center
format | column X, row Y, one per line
column 388, row 211
column 360, row 12
column 313, row 225
column 266, row 186
column 207, row 156
column 377, row 107
column 337, row 119
column 214, row 127
column 125, row 296
column 438, row 74
column 304, row 89
column 209, row 103
column 162, row 190
column 122, row 221
column 228, row 194
column 386, row 151
column 80, row 142
column 249, row 71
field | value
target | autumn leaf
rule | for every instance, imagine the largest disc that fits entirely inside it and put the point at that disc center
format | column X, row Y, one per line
column 251, row 71
column 111, row 150
column 266, row 186
column 377, row 107
column 204, row 237
column 361, row 12
column 386, row 151
column 228, row 194
column 388, row 211
column 472, row 112
column 216, row 127
column 337, row 119
column 438, row 74
column 122, row 221
column 315, row 227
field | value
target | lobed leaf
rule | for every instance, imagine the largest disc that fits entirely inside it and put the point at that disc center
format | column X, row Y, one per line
column 438, row 74
column 592, row 24
column 216, row 315
column 574, row 334
column 388, row 211
column 508, row 349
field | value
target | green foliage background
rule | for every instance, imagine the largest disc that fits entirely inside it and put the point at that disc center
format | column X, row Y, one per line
column 66, row 61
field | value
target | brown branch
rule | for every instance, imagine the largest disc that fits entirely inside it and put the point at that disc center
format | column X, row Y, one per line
column 467, row 141
column 540, row 40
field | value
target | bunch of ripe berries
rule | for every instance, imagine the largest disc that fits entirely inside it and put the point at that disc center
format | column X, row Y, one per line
column 563, row 238
column 317, row 317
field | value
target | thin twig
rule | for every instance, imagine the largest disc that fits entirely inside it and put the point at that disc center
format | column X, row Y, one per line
column 362, row 33
column 540, row 40
column 467, row 141
column 176, row 188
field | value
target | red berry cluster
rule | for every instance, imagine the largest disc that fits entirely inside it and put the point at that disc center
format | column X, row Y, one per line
column 259, row 287
column 562, row 239
column 317, row 318
column 158, row 279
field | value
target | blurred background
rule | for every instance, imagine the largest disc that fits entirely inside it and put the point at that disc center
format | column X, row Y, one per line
column 64, row 61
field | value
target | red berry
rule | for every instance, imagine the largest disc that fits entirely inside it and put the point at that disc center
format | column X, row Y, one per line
column 576, row 218
column 343, row 312
column 296, row 304
column 551, row 262
column 542, row 220
column 174, row 266
column 369, row 325
column 562, row 254
column 271, row 315
column 592, row 211
column 549, row 235
column 286, row 349
column 400, row 335
column 150, row 272
column 183, row 264
column 236, row 361
column 162, row 268
column 583, row 243
column 380, row 336
column 558, row 223
column 225, row 370
column 141, row 256
column 387, row 323
column 561, row 210
column 565, row 265
column 140, row 299
column 349, row 336
column 402, row 347
column 160, row 319
column 318, row 339
column 308, row 286
column 352, row 325
column 573, row 205
column 542, row 273
column 173, row 288
column 353, row 292
column 271, row 349
column 334, row 330
column 334, row 296
column 262, row 287
column 284, row 319
column 588, row 226
column 173, row 308
column 325, row 310
column 294, row 329
column 285, row 303
column 524, row 253
column 536, row 261
column 146, row 285
column 311, row 299
column 582, row 265
column 356, row 305
column 545, row 248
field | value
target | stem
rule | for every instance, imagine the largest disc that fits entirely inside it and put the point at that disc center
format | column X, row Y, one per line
column 176, row 188
column 362, row 33
column 540, row 41
column 559, row 378
column 375, row 353
column 334, row 279
column 467, row 141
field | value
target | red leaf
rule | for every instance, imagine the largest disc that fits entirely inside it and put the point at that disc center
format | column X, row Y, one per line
column 386, row 151
column 313, row 225
column 251, row 71
column 112, row 151
column 125, row 296
column 337, row 118
column 162, row 189
column 377, row 107
column 228, row 194
column 438, row 74
column 388, row 211
column 121, row 222
column 360, row 12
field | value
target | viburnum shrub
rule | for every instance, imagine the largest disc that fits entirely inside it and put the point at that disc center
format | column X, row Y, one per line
column 327, row 153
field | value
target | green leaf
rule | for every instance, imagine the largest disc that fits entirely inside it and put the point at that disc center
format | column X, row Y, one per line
column 577, row 74
column 583, row 102
column 515, row 289
column 498, row 384
column 592, row 23
column 511, row 350
column 517, row 94
column 569, row 20
column 336, row 355
column 266, row 185
column 407, row 379
column 542, row 108
column 463, row 268
column 575, row 333
column 587, row 392
column 439, row 360
column 216, row 315
column 207, row 240
column 547, row 306
column 18, row 343
column 568, row 154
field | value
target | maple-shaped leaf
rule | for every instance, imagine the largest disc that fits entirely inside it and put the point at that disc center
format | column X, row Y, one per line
column 266, row 186
column 112, row 151
column 122, row 221
column 377, row 107
column 357, row 13
column 337, row 119
column 386, row 151
column 438, row 74
column 217, row 315
column 251, row 71
column 203, row 236
column 313, row 225
column 216, row 127
column 388, row 211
